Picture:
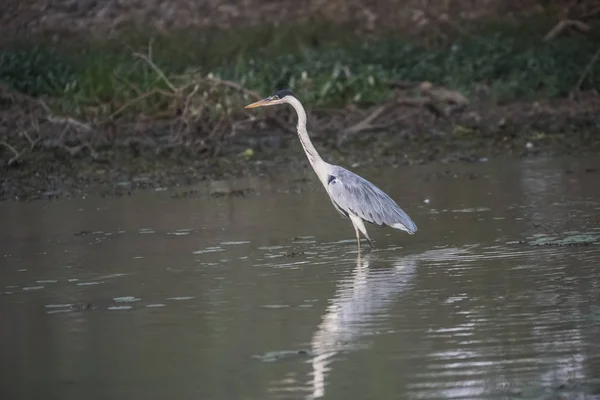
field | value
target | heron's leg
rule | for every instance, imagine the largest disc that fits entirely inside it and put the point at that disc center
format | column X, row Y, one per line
column 359, row 225
column 357, row 237
column 370, row 241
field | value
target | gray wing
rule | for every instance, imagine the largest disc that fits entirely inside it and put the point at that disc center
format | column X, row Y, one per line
column 350, row 193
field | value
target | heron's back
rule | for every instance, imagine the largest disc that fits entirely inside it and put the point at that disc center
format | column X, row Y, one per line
column 358, row 196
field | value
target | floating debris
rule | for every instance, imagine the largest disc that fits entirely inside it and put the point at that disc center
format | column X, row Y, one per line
column 294, row 254
column 280, row 355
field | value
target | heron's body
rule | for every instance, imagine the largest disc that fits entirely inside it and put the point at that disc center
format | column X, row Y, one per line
column 352, row 196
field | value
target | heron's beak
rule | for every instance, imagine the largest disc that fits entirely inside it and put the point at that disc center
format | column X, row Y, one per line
column 261, row 103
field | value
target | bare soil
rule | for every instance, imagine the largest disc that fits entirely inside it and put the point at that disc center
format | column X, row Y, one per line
column 399, row 135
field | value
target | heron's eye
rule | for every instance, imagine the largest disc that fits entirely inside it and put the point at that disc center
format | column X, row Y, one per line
column 275, row 97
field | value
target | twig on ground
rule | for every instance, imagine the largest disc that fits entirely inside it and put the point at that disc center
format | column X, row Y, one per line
column 366, row 122
column 32, row 142
column 565, row 24
column 587, row 69
column 159, row 72
column 70, row 121
column 236, row 86
column 17, row 154
column 130, row 103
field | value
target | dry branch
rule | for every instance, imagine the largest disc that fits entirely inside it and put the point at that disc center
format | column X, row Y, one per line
column 158, row 71
column 587, row 69
column 564, row 25
column 16, row 153
column 366, row 123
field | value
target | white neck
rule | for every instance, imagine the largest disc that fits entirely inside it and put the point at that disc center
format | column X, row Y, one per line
column 314, row 158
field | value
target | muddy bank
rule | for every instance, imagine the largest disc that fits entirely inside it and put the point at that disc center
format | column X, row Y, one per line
column 561, row 127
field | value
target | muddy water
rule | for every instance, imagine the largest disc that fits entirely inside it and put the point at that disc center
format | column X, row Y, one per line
column 265, row 296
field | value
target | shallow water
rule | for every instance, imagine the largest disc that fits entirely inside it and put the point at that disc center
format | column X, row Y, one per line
column 265, row 296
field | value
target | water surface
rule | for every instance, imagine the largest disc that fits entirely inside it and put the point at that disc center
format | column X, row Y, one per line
column 265, row 296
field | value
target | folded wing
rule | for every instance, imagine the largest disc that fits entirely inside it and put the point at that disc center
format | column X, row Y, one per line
column 353, row 194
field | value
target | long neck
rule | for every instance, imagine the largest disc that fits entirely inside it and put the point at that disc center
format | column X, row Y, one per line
column 313, row 157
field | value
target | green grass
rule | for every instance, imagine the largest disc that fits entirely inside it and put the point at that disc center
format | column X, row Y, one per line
column 326, row 65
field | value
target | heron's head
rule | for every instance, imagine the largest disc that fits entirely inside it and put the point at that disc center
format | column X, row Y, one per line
column 282, row 96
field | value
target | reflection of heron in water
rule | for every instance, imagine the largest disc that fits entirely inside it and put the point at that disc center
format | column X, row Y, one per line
column 361, row 298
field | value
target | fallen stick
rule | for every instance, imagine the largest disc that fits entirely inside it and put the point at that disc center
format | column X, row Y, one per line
column 564, row 25
column 366, row 123
column 17, row 154
column 587, row 69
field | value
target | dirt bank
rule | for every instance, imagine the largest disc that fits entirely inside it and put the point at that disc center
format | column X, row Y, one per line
column 401, row 136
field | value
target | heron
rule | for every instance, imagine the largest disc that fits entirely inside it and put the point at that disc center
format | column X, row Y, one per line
column 352, row 196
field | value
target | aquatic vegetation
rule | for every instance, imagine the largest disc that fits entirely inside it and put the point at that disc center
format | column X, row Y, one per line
column 566, row 239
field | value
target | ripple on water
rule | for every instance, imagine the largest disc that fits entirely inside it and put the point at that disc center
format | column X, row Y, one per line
column 470, row 210
column 275, row 306
column 59, row 308
column 180, row 232
column 267, row 248
column 234, row 242
column 213, row 249
column 58, row 305
column 181, row 298
column 27, row 288
column 126, row 299
column 116, row 308
column 89, row 283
